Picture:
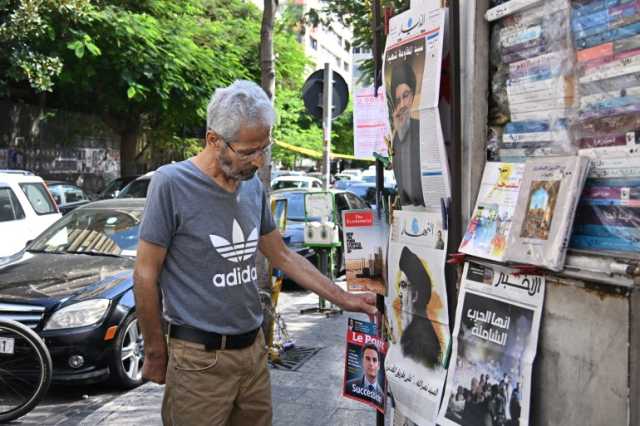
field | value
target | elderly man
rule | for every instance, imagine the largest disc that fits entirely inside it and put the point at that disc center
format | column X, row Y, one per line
column 204, row 220
column 406, row 135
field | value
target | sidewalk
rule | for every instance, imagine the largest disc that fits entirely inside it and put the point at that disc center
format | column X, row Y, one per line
column 309, row 396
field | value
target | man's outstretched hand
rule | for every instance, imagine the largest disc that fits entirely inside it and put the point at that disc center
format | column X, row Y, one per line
column 362, row 302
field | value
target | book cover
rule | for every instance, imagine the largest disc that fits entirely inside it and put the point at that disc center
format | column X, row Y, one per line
column 489, row 227
column 546, row 206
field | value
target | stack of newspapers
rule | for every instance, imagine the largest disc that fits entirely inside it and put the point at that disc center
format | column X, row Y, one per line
column 606, row 36
column 537, row 61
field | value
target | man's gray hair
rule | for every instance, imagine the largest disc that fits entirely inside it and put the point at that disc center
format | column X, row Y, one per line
column 243, row 103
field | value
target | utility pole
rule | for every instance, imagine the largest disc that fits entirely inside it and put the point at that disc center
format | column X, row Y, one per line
column 327, row 102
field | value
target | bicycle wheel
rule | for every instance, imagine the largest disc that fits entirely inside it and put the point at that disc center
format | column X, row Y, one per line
column 25, row 370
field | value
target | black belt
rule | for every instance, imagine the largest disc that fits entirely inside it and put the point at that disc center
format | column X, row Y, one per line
column 213, row 341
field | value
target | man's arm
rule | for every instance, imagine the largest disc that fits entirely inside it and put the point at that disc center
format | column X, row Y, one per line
column 304, row 273
column 149, row 260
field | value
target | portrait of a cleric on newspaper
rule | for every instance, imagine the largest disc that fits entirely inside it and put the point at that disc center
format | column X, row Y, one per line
column 405, row 133
column 204, row 221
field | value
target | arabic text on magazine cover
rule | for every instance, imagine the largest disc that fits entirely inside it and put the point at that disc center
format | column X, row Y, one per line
column 364, row 378
column 489, row 227
column 417, row 314
column 365, row 241
column 495, row 340
column 412, row 71
column 546, row 207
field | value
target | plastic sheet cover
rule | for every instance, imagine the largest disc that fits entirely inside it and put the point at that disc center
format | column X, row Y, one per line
column 565, row 79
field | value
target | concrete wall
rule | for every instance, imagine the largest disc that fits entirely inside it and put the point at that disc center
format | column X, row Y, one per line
column 55, row 144
column 581, row 374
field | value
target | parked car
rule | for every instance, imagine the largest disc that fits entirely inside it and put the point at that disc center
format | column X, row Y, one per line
column 114, row 187
column 73, row 286
column 355, row 173
column 67, row 195
column 294, row 233
column 289, row 182
column 26, row 209
column 367, row 191
column 137, row 188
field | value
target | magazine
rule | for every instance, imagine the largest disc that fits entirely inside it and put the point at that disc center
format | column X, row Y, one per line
column 365, row 240
column 489, row 227
column 546, row 206
column 418, row 314
column 364, row 378
column 495, row 340
column 412, row 74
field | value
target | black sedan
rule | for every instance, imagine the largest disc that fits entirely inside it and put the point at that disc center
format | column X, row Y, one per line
column 294, row 233
column 73, row 285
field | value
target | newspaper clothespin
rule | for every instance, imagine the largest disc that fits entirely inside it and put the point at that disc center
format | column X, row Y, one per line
column 524, row 269
column 456, row 258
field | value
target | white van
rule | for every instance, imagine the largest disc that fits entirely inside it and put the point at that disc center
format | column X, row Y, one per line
column 26, row 209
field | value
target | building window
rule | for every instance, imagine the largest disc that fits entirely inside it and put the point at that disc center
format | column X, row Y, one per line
column 338, row 62
column 314, row 43
column 339, row 40
column 346, row 66
column 347, row 46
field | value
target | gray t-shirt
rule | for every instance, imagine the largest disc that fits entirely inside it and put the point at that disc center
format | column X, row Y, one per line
column 208, row 280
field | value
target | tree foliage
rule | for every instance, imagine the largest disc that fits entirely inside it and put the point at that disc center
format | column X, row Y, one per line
column 357, row 15
column 146, row 64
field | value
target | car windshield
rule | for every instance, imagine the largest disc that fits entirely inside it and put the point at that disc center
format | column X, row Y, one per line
column 136, row 189
column 92, row 231
column 295, row 206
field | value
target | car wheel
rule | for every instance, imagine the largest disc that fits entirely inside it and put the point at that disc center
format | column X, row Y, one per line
column 128, row 355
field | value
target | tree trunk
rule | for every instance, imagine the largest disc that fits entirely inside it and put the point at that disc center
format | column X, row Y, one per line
column 268, row 80
column 128, row 149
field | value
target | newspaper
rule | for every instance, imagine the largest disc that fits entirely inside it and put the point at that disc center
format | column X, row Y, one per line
column 412, row 72
column 365, row 241
column 547, row 202
column 417, row 314
column 495, row 340
column 364, row 378
column 489, row 227
column 370, row 122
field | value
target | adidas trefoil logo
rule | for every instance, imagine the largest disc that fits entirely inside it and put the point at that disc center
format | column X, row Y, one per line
column 239, row 250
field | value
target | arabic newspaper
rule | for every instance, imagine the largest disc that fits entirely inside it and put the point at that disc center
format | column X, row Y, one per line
column 370, row 123
column 365, row 241
column 418, row 314
column 495, row 340
column 364, row 378
column 412, row 71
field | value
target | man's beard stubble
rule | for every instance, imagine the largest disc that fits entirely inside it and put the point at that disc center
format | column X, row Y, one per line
column 226, row 164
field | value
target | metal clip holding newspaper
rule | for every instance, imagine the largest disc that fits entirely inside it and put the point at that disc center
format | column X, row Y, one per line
column 321, row 233
column 320, row 226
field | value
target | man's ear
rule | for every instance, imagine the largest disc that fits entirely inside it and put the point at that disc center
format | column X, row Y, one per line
column 211, row 137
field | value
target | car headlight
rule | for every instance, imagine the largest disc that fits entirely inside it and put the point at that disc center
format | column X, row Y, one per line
column 79, row 314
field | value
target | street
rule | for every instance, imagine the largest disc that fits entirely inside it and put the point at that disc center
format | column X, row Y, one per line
column 309, row 394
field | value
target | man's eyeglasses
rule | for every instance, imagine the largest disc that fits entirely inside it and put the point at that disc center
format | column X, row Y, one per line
column 250, row 155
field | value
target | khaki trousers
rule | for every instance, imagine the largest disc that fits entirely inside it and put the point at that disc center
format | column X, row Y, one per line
column 218, row 388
